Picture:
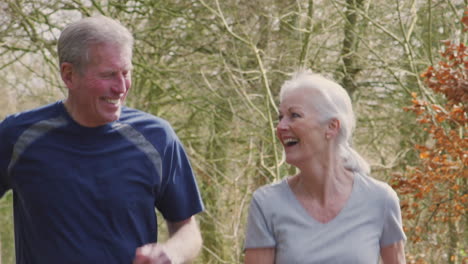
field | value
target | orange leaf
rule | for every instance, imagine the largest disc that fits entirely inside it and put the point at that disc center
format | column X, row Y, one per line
column 440, row 118
column 424, row 155
column 436, row 108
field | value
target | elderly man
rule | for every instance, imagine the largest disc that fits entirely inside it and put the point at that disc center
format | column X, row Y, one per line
column 87, row 172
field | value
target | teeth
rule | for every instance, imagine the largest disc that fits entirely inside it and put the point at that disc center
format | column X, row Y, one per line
column 290, row 140
column 112, row 101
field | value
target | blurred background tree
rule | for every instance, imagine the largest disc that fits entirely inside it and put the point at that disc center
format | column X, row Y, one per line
column 213, row 69
column 435, row 192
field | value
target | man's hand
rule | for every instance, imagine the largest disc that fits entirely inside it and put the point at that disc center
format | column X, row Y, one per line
column 183, row 245
column 152, row 254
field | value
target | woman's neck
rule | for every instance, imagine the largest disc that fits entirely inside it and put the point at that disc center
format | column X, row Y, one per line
column 324, row 182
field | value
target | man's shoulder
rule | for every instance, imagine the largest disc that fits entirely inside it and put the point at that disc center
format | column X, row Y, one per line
column 134, row 116
column 32, row 116
column 147, row 124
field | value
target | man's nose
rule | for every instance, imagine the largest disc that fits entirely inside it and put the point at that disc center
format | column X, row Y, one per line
column 120, row 84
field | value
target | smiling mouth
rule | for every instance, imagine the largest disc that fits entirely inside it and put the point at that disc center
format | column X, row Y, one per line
column 112, row 101
column 290, row 141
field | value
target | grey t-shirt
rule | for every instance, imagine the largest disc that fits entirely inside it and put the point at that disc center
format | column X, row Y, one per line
column 370, row 220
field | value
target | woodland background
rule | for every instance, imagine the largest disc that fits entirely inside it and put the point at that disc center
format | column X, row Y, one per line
column 214, row 68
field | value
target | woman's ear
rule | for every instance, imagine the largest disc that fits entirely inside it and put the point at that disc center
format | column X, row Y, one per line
column 333, row 128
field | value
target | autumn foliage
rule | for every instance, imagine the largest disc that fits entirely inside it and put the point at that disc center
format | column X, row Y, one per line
column 434, row 194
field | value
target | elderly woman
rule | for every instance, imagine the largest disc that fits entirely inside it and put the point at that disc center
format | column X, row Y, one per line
column 331, row 211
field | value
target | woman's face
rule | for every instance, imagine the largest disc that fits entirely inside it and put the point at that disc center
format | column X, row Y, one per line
column 299, row 128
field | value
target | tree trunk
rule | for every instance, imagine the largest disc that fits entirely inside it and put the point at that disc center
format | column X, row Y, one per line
column 350, row 68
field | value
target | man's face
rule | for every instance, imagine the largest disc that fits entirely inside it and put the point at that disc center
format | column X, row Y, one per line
column 98, row 92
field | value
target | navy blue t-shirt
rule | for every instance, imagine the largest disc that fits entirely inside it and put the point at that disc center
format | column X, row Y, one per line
column 88, row 195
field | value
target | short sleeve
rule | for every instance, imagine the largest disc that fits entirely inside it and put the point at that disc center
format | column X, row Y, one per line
column 180, row 197
column 392, row 227
column 4, row 159
column 259, row 232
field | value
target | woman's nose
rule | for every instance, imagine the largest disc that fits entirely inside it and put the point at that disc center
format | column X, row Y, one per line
column 282, row 124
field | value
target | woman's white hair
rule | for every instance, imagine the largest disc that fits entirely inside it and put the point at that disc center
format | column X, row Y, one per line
column 331, row 101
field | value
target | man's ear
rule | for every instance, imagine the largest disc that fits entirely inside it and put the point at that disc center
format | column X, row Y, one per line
column 66, row 72
column 333, row 128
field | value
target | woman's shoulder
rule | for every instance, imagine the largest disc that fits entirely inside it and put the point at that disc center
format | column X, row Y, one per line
column 375, row 187
column 271, row 191
column 370, row 182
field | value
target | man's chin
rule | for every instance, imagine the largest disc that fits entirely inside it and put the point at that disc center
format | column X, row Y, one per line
column 114, row 118
column 114, row 115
